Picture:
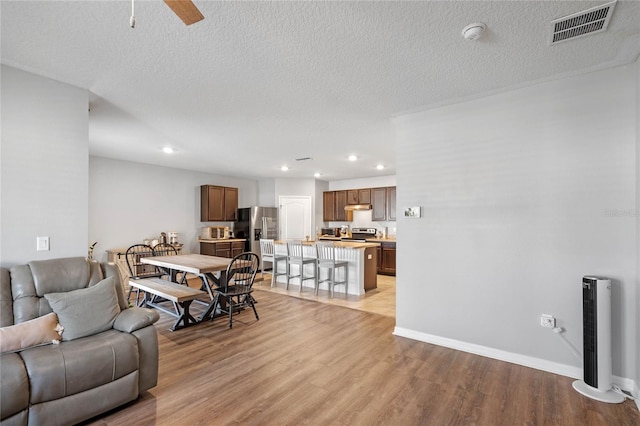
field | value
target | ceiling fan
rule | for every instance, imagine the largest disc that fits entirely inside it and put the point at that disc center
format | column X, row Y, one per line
column 185, row 9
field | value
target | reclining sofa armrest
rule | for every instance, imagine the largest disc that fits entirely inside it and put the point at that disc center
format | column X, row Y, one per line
column 132, row 319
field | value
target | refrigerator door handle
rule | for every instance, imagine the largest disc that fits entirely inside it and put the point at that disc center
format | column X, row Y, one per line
column 264, row 227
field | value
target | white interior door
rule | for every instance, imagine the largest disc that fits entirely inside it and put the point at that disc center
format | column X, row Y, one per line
column 295, row 217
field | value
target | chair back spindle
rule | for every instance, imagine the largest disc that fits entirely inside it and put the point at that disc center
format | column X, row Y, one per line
column 235, row 294
column 138, row 269
column 296, row 256
column 268, row 254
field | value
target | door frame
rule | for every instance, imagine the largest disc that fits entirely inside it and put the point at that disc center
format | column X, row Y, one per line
column 309, row 216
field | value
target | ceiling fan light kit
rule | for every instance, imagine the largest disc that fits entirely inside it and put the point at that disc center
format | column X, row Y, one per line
column 473, row 31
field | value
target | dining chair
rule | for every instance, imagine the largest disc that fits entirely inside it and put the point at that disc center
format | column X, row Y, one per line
column 296, row 256
column 268, row 253
column 326, row 253
column 137, row 269
column 235, row 293
column 166, row 249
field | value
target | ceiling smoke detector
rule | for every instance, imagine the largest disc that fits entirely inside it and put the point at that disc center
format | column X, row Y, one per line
column 473, row 31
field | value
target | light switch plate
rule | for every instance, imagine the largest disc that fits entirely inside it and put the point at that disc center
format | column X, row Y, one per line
column 412, row 212
column 42, row 243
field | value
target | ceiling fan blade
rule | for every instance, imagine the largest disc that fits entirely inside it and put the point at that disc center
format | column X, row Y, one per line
column 186, row 10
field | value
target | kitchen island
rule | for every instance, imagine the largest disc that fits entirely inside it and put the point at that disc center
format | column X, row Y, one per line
column 362, row 258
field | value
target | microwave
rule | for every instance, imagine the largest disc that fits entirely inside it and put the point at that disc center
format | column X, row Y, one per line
column 335, row 232
column 214, row 232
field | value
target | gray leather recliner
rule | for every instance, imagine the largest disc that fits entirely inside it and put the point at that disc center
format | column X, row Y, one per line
column 78, row 379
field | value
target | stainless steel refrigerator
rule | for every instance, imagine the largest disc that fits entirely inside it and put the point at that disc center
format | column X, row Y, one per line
column 255, row 223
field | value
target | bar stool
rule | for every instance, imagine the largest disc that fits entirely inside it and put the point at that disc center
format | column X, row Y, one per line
column 268, row 253
column 295, row 253
column 327, row 259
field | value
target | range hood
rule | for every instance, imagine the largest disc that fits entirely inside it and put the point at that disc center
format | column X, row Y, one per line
column 352, row 207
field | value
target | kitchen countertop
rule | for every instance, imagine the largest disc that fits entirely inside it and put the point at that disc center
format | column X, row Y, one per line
column 342, row 244
column 221, row 240
column 123, row 250
column 369, row 240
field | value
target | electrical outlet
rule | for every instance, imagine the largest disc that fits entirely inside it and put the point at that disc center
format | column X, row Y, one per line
column 547, row 321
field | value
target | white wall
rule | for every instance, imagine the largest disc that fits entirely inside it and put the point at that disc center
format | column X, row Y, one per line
column 294, row 187
column 372, row 182
column 44, row 168
column 129, row 202
column 267, row 193
column 637, row 321
column 523, row 194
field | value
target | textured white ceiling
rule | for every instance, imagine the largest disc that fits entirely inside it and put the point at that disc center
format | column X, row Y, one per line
column 257, row 84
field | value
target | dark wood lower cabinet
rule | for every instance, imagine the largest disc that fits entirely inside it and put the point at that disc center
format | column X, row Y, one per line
column 387, row 259
column 208, row 248
column 222, row 248
column 237, row 247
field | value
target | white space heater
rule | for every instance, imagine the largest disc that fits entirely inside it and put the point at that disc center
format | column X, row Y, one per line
column 596, row 334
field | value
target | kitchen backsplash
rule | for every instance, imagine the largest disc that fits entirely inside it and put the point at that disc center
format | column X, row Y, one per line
column 362, row 219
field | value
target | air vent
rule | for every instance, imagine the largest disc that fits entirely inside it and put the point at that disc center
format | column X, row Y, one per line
column 579, row 24
column 304, row 158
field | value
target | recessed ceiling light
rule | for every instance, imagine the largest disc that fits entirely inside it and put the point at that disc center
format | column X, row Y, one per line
column 316, row 175
column 284, row 168
column 352, row 158
column 380, row 167
column 168, row 150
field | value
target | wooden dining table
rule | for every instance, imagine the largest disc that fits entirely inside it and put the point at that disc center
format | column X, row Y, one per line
column 210, row 269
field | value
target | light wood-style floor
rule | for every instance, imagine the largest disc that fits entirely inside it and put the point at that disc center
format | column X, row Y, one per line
column 306, row 362
column 381, row 300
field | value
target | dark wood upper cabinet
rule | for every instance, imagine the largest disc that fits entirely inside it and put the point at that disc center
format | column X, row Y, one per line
column 391, row 203
column 333, row 203
column 218, row 203
column 230, row 204
column 364, row 196
column 383, row 204
column 341, row 202
column 382, row 200
column 328, row 206
column 352, row 196
column 378, row 204
column 211, row 203
column 359, row 196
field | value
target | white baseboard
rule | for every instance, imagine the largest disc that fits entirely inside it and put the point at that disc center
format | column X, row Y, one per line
column 524, row 360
